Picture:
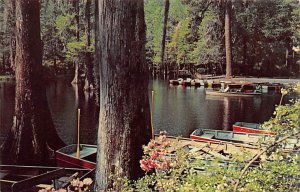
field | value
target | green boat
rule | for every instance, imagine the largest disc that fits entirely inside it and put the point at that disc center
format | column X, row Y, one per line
column 220, row 136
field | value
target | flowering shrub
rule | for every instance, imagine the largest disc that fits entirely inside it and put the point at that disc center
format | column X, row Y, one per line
column 76, row 186
column 155, row 154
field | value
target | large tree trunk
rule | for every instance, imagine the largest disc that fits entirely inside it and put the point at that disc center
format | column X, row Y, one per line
column 163, row 42
column 228, row 7
column 88, row 86
column 124, row 120
column 11, row 26
column 33, row 130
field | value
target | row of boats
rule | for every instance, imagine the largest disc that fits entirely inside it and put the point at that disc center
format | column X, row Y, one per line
column 243, row 132
column 69, row 163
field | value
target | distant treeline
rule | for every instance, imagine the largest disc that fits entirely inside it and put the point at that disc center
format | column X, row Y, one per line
column 264, row 35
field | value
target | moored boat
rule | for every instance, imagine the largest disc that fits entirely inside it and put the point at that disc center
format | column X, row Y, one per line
column 32, row 178
column 234, row 93
column 240, row 90
column 244, row 127
column 66, row 156
column 220, row 136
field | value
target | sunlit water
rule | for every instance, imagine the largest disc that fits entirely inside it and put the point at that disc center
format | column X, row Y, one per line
column 177, row 109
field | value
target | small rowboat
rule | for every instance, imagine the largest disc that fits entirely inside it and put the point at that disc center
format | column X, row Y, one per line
column 243, row 127
column 235, row 93
column 32, row 178
column 220, row 136
column 66, row 156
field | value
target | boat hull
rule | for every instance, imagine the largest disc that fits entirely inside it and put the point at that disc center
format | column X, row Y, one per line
column 241, row 127
column 231, row 94
column 66, row 157
column 220, row 136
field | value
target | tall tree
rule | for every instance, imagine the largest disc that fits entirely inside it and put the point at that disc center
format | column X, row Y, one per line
column 77, row 34
column 163, row 42
column 11, row 27
column 124, row 120
column 33, row 130
column 96, row 54
column 228, row 48
column 88, row 58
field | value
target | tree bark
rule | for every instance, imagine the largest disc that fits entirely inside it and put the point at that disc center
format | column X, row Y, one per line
column 163, row 42
column 33, row 130
column 11, row 24
column 228, row 48
column 97, row 54
column 88, row 86
column 76, row 78
column 124, row 120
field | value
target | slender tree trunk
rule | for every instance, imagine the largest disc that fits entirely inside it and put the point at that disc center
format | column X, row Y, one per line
column 88, row 86
column 97, row 54
column 76, row 79
column 228, row 49
column 33, row 130
column 163, row 42
column 124, row 120
column 3, row 63
column 76, row 71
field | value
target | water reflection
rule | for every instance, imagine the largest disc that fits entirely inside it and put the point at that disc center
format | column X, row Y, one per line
column 178, row 110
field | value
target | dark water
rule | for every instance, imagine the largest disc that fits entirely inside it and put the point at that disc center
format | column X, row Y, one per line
column 177, row 110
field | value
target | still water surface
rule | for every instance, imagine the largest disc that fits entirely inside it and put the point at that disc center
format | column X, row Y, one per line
column 177, row 109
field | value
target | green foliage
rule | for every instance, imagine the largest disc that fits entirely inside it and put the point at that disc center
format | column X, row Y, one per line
column 209, row 46
column 154, row 22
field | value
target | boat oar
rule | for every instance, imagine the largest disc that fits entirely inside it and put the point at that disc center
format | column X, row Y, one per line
column 78, row 135
column 151, row 114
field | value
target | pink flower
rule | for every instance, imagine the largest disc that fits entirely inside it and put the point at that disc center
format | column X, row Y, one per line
column 154, row 154
column 164, row 165
column 144, row 165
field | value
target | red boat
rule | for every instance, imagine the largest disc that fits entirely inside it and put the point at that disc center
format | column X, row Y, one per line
column 66, row 156
column 243, row 127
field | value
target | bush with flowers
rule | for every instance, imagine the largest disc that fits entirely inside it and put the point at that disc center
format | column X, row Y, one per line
column 75, row 186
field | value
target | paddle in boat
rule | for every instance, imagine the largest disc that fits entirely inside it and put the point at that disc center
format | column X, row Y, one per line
column 244, row 127
column 77, row 155
column 220, row 136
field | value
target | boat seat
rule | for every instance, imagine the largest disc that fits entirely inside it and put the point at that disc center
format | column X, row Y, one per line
column 208, row 135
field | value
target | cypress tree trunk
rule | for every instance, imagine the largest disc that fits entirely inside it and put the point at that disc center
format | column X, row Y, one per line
column 163, row 42
column 76, row 78
column 124, row 120
column 88, row 86
column 228, row 7
column 97, row 54
column 33, row 130
column 11, row 22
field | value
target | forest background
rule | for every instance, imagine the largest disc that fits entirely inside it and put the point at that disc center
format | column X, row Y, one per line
column 264, row 37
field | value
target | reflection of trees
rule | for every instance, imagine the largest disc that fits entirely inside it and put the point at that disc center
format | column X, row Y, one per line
column 226, row 114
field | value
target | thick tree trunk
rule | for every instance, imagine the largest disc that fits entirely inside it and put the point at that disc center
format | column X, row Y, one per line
column 33, row 130
column 124, row 120
column 11, row 22
column 163, row 42
column 228, row 7
column 88, row 86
